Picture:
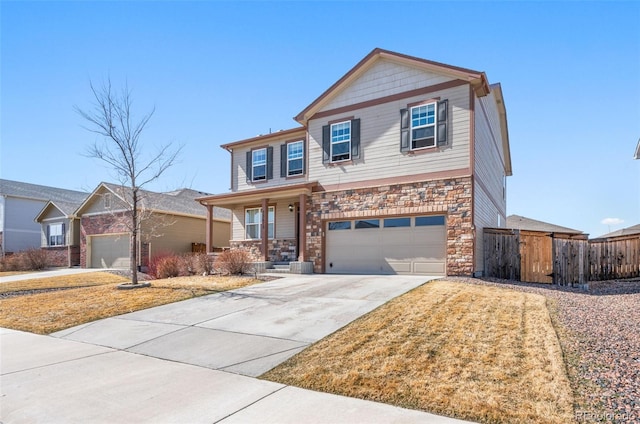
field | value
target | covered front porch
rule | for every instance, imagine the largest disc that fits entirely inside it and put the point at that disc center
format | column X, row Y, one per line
column 270, row 224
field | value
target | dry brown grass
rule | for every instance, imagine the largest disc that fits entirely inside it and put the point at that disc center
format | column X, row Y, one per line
column 478, row 353
column 10, row 273
column 66, row 281
column 46, row 313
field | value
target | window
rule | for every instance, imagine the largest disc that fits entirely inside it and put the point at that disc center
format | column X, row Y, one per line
column 253, row 223
column 367, row 223
column 423, row 126
column 259, row 164
column 295, row 157
column 341, row 141
column 340, row 225
column 55, row 234
column 397, row 222
column 424, row 221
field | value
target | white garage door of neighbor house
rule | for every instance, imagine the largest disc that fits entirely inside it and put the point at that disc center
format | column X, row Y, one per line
column 398, row 245
column 110, row 251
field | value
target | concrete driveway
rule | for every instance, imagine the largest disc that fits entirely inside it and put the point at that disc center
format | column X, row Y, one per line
column 193, row 361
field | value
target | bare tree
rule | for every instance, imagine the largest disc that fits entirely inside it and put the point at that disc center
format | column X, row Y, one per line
column 112, row 118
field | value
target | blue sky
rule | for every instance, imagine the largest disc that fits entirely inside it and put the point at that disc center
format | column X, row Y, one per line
column 218, row 72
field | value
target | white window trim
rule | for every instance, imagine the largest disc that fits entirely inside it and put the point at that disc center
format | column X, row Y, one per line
column 258, row 224
column 434, row 125
column 289, row 174
column 331, row 142
column 61, row 235
column 254, row 166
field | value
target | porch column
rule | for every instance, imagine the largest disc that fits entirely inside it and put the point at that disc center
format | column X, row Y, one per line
column 265, row 229
column 302, row 229
column 209, row 227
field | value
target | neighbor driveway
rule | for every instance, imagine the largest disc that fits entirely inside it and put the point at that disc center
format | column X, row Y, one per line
column 181, row 362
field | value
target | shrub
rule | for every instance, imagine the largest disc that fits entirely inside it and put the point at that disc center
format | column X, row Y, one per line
column 234, row 262
column 36, row 259
column 204, row 263
column 154, row 262
column 27, row 260
column 169, row 266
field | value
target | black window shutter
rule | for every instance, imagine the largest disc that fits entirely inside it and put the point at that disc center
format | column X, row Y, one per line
column 405, row 142
column 283, row 160
column 64, row 235
column 304, row 156
column 270, row 163
column 355, row 138
column 249, row 166
column 326, row 144
column 442, row 122
column 48, row 235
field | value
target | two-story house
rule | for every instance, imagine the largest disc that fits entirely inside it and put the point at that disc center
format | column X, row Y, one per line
column 396, row 168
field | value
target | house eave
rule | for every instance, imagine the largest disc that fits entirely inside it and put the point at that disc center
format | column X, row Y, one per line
column 292, row 132
column 255, row 196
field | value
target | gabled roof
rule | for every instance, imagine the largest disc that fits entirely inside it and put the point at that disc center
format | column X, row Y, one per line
column 496, row 89
column 478, row 80
column 629, row 231
column 522, row 223
column 67, row 208
column 292, row 132
column 40, row 192
column 180, row 202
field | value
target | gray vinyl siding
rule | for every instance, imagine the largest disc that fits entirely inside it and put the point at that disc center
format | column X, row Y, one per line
column 71, row 230
column 96, row 204
column 20, row 230
column 178, row 236
column 384, row 78
column 380, row 155
column 489, row 191
column 239, row 164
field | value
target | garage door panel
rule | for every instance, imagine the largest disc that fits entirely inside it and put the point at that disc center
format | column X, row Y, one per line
column 110, row 251
column 395, row 250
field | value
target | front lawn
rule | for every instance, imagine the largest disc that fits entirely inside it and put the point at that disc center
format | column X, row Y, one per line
column 473, row 352
column 82, row 298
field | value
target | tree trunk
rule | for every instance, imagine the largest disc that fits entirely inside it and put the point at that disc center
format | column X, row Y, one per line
column 134, row 238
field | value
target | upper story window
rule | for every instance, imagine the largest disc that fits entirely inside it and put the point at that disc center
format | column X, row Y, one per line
column 259, row 165
column 295, row 158
column 253, row 222
column 423, row 126
column 55, row 234
column 341, row 141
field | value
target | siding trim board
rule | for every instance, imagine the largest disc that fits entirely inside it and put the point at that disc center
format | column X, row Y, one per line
column 389, row 99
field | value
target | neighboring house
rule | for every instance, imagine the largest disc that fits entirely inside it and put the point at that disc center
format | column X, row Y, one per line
column 518, row 222
column 60, row 232
column 173, row 223
column 634, row 230
column 396, row 168
column 20, row 204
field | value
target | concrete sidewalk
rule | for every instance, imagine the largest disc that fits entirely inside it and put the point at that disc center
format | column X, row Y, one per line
column 193, row 361
column 49, row 273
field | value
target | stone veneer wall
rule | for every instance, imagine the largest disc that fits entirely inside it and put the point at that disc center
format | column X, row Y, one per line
column 280, row 250
column 450, row 196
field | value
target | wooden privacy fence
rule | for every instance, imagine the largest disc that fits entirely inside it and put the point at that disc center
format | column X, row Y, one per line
column 561, row 258
column 614, row 258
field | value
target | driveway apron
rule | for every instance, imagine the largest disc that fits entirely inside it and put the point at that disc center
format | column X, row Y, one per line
column 250, row 330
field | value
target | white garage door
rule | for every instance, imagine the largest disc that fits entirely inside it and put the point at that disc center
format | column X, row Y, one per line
column 399, row 245
column 110, row 251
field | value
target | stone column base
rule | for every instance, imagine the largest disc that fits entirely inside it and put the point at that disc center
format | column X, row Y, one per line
column 301, row 267
column 260, row 267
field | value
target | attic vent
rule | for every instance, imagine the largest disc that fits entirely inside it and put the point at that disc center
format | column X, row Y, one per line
column 106, row 198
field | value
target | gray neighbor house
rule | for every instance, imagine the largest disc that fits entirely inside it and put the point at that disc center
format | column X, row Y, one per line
column 20, row 203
